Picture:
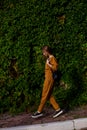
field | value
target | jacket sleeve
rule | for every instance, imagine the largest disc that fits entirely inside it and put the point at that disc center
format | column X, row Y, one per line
column 54, row 63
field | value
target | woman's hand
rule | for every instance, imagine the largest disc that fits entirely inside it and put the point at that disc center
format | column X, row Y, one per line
column 48, row 63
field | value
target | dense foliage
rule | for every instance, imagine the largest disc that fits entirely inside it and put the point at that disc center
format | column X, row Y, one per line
column 27, row 25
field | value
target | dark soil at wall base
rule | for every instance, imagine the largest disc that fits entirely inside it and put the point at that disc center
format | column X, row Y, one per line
column 7, row 120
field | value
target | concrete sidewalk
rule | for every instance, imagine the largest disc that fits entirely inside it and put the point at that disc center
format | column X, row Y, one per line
column 76, row 124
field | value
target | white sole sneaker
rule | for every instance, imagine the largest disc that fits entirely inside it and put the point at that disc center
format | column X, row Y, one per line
column 37, row 116
column 58, row 113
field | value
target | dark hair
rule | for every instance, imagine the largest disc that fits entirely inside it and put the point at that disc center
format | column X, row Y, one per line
column 47, row 48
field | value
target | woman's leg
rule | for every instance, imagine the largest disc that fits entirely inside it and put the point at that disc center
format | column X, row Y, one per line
column 54, row 103
column 48, row 84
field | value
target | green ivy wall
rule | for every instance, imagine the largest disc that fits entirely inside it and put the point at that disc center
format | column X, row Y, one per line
column 27, row 25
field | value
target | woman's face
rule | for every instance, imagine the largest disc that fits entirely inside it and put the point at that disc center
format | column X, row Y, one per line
column 45, row 53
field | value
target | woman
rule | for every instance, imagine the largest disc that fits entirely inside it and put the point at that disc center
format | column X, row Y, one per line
column 50, row 67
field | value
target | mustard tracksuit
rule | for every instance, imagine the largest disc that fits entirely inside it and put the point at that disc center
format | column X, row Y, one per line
column 48, row 85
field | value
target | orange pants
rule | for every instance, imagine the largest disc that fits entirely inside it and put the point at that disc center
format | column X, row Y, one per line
column 47, row 95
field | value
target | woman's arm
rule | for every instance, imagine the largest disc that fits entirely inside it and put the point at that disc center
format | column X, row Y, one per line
column 52, row 63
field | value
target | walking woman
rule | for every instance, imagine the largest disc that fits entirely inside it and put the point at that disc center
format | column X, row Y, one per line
column 50, row 67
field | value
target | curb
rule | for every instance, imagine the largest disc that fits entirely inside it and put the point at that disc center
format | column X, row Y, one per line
column 76, row 124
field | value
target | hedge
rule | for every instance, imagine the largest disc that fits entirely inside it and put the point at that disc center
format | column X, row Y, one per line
column 27, row 25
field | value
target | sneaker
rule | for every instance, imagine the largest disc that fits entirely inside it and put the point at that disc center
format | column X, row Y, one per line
column 58, row 113
column 37, row 115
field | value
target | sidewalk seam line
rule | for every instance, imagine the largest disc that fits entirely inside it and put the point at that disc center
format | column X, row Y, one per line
column 73, row 125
